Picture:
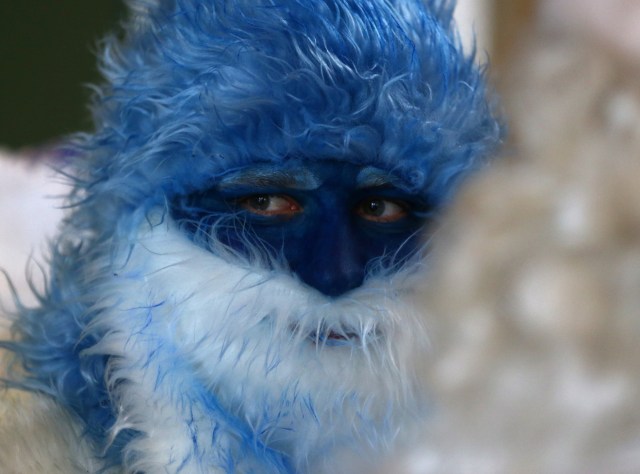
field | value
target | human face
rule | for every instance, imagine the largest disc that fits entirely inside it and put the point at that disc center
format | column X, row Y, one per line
column 331, row 223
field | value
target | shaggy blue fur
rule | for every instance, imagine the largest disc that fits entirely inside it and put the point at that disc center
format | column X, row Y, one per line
column 203, row 87
column 199, row 88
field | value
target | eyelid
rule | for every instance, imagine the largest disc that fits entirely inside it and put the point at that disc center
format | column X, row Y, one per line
column 283, row 211
column 415, row 204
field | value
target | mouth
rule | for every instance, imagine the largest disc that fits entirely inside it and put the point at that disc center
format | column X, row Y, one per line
column 340, row 336
column 334, row 338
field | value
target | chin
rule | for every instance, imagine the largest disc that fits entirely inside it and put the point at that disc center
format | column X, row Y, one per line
column 200, row 344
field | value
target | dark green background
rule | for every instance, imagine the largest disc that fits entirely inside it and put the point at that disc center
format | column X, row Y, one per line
column 47, row 56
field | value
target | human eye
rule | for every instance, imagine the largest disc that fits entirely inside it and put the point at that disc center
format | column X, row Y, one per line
column 382, row 210
column 270, row 205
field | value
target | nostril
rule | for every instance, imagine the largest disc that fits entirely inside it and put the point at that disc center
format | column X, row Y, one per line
column 333, row 279
column 338, row 262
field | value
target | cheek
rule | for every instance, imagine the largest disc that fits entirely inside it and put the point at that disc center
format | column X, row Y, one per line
column 393, row 248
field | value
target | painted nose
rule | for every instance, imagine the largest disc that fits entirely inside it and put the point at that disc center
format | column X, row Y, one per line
column 336, row 264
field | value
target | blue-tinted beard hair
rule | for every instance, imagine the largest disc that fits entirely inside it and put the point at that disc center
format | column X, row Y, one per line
column 197, row 89
column 250, row 350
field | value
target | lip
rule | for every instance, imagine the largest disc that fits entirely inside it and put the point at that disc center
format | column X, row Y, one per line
column 333, row 337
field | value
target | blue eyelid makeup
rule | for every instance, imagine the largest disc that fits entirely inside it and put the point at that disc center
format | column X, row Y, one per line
column 268, row 177
column 371, row 177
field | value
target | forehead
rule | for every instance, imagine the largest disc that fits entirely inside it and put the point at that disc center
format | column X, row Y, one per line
column 305, row 175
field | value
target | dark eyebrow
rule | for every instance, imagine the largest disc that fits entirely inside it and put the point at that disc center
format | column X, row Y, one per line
column 371, row 177
column 268, row 177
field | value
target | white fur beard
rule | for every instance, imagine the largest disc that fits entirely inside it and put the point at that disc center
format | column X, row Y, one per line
column 311, row 376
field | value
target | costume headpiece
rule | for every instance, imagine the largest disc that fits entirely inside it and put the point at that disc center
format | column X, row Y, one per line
column 199, row 88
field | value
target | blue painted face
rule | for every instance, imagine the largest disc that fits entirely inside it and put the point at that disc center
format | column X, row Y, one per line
column 330, row 221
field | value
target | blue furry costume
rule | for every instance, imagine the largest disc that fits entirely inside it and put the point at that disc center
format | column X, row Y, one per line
column 174, row 351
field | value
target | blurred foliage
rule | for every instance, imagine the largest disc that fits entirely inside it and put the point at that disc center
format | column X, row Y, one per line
column 47, row 57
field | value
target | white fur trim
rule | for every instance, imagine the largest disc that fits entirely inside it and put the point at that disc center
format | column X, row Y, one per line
column 182, row 324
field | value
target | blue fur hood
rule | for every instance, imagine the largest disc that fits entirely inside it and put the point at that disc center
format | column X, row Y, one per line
column 198, row 88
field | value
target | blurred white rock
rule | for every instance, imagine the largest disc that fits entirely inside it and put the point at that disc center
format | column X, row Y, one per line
column 30, row 210
column 614, row 23
column 533, row 303
column 475, row 25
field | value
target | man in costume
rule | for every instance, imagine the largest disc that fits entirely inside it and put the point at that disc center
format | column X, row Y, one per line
column 232, row 288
